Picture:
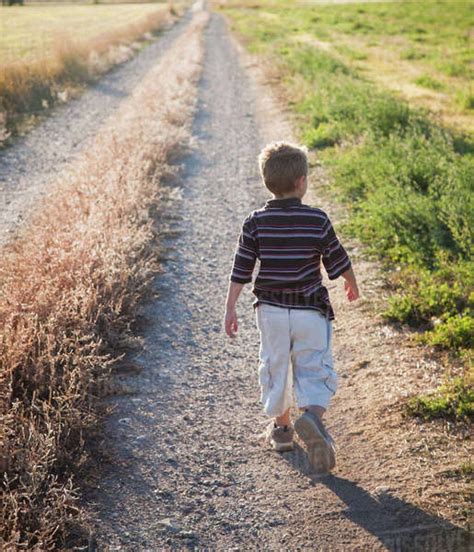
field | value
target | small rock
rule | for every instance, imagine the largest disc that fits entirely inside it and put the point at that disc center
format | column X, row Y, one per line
column 187, row 534
column 169, row 525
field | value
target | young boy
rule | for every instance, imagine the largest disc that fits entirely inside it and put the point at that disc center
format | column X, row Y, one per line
column 293, row 311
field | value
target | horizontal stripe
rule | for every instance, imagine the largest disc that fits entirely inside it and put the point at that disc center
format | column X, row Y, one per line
column 244, row 255
column 285, row 227
column 291, row 241
column 292, row 290
column 287, row 256
column 289, row 270
column 291, row 234
column 290, row 213
column 285, row 278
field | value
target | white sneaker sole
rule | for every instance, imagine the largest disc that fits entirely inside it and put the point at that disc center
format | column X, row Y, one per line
column 282, row 447
column 321, row 453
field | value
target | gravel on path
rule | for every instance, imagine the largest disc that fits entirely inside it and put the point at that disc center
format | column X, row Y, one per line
column 45, row 152
column 187, row 468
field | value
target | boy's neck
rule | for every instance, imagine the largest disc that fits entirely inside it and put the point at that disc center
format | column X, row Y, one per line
column 287, row 196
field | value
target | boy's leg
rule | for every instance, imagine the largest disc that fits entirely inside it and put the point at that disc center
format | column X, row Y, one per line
column 275, row 376
column 315, row 383
column 315, row 379
column 284, row 419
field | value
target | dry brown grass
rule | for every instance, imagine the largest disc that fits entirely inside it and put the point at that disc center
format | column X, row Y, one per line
column 28, row 86
column 70, row 284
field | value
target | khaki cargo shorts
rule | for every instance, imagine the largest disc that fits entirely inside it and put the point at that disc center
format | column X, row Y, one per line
column 295, row 356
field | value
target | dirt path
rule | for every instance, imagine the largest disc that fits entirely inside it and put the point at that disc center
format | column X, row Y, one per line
column 185, row 466
column 32, row 162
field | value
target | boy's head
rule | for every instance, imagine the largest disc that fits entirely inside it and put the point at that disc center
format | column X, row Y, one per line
column 283, row 167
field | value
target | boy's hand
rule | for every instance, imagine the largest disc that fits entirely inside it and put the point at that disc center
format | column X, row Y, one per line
column 230, row 322
column 352, row 291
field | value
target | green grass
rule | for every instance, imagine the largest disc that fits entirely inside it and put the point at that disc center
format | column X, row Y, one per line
column 422, row 29
column 465, row 99
column 429, row 82
column 408, row 182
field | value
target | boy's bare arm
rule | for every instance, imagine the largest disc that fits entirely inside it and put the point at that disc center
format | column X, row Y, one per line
column 230, row 320
column 350, row 284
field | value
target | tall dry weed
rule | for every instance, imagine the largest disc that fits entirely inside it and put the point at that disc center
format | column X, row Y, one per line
column 70, row 285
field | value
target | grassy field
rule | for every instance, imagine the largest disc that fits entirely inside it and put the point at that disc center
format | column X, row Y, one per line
column 32, row 31
column 50, row 52
column 412, row 48
column 407, row 180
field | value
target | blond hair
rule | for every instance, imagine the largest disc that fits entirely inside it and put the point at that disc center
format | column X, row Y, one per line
column 281, row 164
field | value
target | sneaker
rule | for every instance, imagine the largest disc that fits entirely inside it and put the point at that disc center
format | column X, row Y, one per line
column 321, row 448
column 280, row 438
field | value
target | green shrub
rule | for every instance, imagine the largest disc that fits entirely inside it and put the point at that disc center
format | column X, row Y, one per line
column 310, row 62
column 322, row 136
column 431, row 297
column 398, row 224
column 465, row 100
column 456, row 332
column 455, row 398
column 454, row 68
column 412, row 54
column 411, row 194
column 455, row 194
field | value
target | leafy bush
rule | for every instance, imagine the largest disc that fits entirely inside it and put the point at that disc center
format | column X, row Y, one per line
column 428, row 297
column 465, row 100
column 454, row 398
column 322, row 136
column 456, row 204
column 398, row 224
column 455, row 332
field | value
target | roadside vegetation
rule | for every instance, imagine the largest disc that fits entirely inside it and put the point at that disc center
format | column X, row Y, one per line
column 407, row 180
column 71, row 282
column 44, row 60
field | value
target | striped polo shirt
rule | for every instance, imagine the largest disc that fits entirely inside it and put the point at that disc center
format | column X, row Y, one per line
column 290, row 240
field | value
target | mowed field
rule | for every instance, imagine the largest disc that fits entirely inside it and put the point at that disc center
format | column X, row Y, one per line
column 31, row 31
column 382, row 95
column 49, row 52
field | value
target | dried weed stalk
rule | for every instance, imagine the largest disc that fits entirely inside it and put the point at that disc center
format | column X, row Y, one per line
column 70, row 285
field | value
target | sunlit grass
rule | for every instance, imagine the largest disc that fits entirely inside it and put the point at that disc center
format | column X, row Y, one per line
column 31, row 31
column 414, row 48
column 64, row 49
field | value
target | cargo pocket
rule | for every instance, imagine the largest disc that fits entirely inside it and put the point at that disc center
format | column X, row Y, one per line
column 264, row 375
column 331, row 381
